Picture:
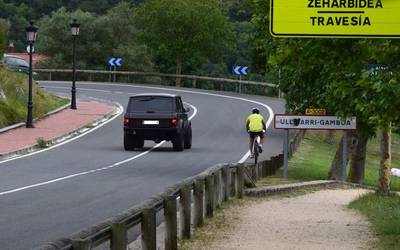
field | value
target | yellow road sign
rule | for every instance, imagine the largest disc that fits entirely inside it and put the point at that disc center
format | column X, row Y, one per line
column 335, row 18
column 315, row 112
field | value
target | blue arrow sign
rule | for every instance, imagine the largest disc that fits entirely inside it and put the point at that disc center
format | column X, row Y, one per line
column 115, row 62
column 240, row 70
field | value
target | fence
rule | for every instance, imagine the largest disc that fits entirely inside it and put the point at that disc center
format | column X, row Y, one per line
column 206, row 191
column 201, row 82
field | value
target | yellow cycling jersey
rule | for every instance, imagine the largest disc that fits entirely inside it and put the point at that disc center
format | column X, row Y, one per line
column 255, row 122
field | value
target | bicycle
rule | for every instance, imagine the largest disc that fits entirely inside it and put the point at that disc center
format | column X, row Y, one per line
column 256, row 148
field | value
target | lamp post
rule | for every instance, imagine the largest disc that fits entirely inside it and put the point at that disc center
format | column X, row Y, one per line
column 31, row 35
column 75, row 32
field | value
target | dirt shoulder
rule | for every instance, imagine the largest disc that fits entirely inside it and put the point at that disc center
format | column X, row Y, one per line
column 319, row 220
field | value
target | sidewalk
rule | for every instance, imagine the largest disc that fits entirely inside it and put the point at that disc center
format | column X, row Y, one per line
column 53, row 126
column 316, row 220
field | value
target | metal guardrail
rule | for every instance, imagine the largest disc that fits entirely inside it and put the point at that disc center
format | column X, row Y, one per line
column 112, row 76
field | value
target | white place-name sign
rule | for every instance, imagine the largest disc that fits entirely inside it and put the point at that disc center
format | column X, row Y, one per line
column 314, row 122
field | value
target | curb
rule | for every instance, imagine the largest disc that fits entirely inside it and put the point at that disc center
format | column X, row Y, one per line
column 58, row 139
column 271, row 190
column 21, row 124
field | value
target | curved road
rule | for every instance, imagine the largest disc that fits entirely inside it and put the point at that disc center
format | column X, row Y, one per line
column 57, row 192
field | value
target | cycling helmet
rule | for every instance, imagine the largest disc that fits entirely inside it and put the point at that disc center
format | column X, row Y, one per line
column 255, row 111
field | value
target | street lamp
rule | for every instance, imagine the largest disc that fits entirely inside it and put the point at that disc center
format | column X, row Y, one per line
column 75, row 32
column 31, row 35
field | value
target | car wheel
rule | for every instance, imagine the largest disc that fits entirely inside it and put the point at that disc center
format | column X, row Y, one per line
column 178, row 142
column 188, row 138
column 138, row 143
column 129, row 142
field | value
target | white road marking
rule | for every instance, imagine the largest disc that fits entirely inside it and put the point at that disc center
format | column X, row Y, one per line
column 268, row 123
column 94, row 170
column 247, row 154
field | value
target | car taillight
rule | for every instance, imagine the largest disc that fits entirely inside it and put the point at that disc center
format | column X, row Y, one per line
column 174, row 121
column 126, row 120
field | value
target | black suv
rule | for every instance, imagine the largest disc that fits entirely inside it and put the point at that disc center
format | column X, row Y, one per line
column 157, row 117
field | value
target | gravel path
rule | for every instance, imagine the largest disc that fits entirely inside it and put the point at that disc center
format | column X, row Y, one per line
column 317, row 220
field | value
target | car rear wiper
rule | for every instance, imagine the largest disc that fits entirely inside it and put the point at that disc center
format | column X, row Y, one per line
column 150, row 111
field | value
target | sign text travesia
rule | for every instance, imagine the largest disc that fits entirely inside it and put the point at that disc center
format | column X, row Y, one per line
column 351, row 19
column 335, row 18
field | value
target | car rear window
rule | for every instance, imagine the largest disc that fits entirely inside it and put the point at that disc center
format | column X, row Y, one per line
column 149, row 104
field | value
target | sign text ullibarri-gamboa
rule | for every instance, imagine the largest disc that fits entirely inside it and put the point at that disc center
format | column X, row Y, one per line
column 342, row 12
column 314, row 122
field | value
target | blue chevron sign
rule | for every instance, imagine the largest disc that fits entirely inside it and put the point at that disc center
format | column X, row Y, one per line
column 240, row 70
column 115, row 62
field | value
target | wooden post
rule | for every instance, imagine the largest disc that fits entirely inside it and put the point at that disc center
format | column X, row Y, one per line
column 185, row 211
column 273, row 165
column 171, row 225
column 240, row 181
column 209, row 196
column 119, row 238
column 220, row 188
column 194, row 83
column 149, row 229
column 226, row 182
column 233, row 183
column 198, row 202
column 80, row 244
column 259, row 170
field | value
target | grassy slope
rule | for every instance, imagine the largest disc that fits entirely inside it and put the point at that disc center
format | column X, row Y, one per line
column 384, row 215
column 314, row 157
column 15, row 87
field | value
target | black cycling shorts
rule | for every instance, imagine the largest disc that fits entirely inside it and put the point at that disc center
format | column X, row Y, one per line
column 254, row 134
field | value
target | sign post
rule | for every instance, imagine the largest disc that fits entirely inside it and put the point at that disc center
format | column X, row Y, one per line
column 240, row 71
column 344, row 157
column 114, row 63
column 286, row 154
column 313, row 122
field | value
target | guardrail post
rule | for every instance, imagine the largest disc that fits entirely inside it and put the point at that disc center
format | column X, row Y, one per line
column 273, row 165
column 259, row 170
column 171, row 227
column 209, row 196
column 118, row 236
column 80, row 244
column 194, row 83
column 198, row 202
column 49, row 76
column 185, row 211
column 233, row 182
column 218, row 188
column 149, row 229
column 226, row 182
column 240, row 180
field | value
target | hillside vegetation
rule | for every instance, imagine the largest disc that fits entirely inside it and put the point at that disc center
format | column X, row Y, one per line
column 14, row 97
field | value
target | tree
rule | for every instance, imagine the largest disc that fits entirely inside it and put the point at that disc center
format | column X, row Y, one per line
column 183, row 29
column 330, row 73
column 112, row 35
column 4, row 27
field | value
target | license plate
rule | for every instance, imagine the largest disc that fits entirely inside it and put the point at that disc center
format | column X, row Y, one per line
column 151, row 122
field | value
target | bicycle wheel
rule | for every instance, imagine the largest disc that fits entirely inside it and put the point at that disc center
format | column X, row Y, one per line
column 255, row 150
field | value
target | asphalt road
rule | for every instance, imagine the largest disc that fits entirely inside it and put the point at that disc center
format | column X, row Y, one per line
column 60, row 206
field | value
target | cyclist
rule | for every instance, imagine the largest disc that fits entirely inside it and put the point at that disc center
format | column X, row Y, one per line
column 255, row 125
